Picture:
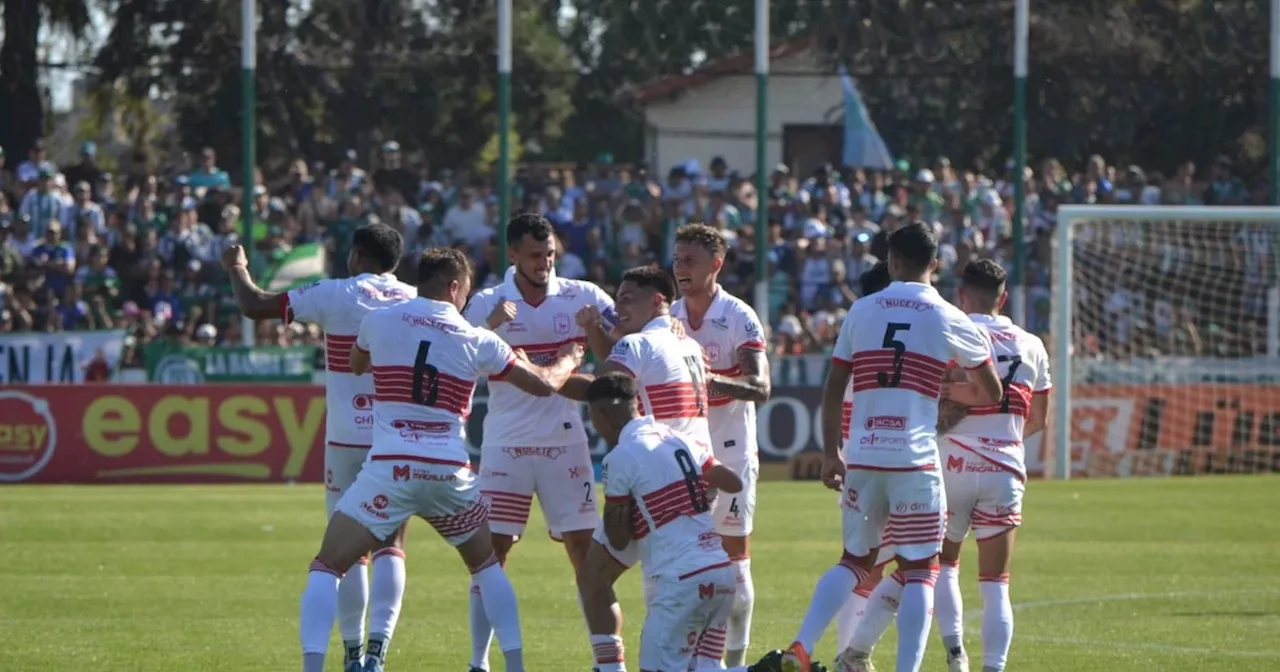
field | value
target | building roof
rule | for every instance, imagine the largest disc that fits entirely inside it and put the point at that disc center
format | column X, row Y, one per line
column 741, row 63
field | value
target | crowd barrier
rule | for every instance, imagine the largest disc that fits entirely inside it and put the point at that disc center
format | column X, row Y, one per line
column 112, row 433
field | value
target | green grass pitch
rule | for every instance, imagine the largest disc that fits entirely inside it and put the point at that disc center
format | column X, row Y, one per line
column 1150, row 575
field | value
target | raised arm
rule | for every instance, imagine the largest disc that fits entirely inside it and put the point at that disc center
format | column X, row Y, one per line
column 254, row 302
column 544, row 381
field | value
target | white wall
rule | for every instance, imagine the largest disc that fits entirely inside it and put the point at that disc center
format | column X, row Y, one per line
column 726, row 108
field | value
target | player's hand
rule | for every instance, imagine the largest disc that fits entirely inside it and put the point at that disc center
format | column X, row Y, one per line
column 833, row 473
column 589, row 317
column 502, row 313
column 521, row 355
column 573, row 351
column 234, row 256
column 963, row 393
column 677, row 328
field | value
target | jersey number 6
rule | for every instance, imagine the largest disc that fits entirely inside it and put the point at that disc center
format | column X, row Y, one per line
column 426, row 383
column 692, row 481
column 899, row 351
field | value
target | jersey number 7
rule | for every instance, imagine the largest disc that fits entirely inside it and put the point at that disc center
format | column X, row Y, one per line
column 899, row 352
column 426, row 383
column 1014, row 362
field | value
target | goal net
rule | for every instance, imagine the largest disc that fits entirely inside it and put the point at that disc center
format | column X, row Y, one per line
column 1165, row 342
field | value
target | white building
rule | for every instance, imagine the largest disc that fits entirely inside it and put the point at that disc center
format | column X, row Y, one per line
column 712, row 112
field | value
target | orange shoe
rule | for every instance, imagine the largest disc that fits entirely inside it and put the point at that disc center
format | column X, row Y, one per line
column 796, row 659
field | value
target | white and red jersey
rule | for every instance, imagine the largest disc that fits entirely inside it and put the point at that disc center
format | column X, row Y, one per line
column 338, row 306
column 672, row 376
column 729, row 327
column 899, row 342
column 662, row 471
column 426, row 360
column 540, row 330
column 995, row 432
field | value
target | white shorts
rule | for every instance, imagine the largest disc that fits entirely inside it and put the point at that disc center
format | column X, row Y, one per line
column 885, row 553
column 562, row 477
column 905, row 510
column 980, row 495
column 686, row 618
column 389, row 492
column 735, row 514
column 341, row 465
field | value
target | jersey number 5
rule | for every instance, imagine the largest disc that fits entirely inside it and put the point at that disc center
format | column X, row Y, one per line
column 699, row 384
column 426, row 383
column 693, row 481
column 899, row 352
column 1014, row 362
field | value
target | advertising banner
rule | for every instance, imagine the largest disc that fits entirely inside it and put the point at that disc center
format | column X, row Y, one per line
column 190, row 365
column 59, row 357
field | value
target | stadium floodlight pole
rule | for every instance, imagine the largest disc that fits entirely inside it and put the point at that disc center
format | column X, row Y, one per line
column 761, row 298
column 504, row 127
column 1017, row 283
column 248, row 71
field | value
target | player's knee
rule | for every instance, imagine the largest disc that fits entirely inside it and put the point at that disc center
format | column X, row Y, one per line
column 502, row 544
column 737, row 548
column 950, row 552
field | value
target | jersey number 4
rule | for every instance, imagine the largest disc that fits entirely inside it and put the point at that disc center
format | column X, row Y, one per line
column 894, row 378
column 693, row 481
column 426, row 378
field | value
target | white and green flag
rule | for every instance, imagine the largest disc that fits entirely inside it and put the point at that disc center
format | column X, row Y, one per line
column 302, row 265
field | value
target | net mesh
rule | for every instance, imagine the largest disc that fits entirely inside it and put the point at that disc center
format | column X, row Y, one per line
column 1169, row 343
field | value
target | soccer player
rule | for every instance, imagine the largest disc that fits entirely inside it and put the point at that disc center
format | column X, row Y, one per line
column 534, row 311
column 985, row 469
column 895, row 346
column 732, row 338
column 425, row 360
column 656, row 495
column 338, row 306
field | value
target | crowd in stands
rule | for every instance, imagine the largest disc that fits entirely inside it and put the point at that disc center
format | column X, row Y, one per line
column 84, row 249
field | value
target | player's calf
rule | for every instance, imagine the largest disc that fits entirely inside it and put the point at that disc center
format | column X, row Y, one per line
column 994, row 554
column 345, row 542
column 497, row 595
column 386, row 593
column 949, row 605
column 600, row 607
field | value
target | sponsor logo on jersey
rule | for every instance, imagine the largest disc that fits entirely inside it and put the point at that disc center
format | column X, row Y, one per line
column 752, row 329
column 881, row 442
column 516, row 328
column 721, row 323
column 362, row 402
column 575, row 472
column 886, row 422
column 400, row 472
column 955, row 463
column 380, row 502
column 561, row 323
column 909, row 304
column 1003, row 336
column 424, row 321
column 913, row 507
column 706, row 591
column 548, row 452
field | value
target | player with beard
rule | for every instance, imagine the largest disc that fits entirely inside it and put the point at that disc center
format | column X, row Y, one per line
column 536, row 312
column 732, row 338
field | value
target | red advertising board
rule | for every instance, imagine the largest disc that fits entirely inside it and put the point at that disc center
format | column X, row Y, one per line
column 161, row 434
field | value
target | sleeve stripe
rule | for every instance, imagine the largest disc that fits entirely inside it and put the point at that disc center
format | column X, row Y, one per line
column 1046, row 390
column 755, row 344
column 711, row 462
column 286, row 310
column 511, row 364
column 979, row 365
column 617, row 499
column 841, row 361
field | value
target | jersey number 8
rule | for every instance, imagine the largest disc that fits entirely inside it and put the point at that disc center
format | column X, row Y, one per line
column 426, row 378
column 693, row 481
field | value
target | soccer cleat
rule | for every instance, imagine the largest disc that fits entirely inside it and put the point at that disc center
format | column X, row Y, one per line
column 770, row 662
column 372, row 665
column 796, row 659
column 815, row 666
column 352, row 666
column 957, row 661
column 853, row 661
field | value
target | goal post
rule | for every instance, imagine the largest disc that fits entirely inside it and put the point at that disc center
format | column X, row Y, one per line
column 1165, row 341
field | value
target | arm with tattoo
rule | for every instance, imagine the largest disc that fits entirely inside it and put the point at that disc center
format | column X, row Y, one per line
column 950, row 413
column 754, row 383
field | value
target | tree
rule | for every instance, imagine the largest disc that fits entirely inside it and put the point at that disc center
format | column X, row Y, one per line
column 21, row 99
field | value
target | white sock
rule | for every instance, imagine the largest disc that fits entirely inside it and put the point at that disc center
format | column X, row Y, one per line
column 949, row 607
column 738, row 634
column 318, row 610
column 353, row 596
column 849, row 615
column 481, row 630
column 386, row 590
column 914, row 617
column 997, row 620
column 882, row 607
column 499, row 598
column 608, row 652
column 828, row 596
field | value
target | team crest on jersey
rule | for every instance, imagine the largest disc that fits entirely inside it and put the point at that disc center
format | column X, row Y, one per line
column 713, row 352
column 561, row 323
column 722, row 323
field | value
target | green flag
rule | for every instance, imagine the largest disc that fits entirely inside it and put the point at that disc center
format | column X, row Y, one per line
column 302, row 265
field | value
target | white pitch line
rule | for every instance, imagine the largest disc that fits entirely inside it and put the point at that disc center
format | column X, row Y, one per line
column 974, row 618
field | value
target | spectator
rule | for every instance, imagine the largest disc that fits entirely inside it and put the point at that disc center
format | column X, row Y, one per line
column 42, row 204
column 465, row 221
column 28, row 171
column 208, row 176
column 86, row 171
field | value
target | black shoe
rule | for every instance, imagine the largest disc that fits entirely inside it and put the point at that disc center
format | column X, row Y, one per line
column 771, row 662
column 815, row 666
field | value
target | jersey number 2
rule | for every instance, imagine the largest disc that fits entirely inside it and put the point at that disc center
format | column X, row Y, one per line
column 1014, row 362
column 899, row 352
column 426, row 383
column 692, row 481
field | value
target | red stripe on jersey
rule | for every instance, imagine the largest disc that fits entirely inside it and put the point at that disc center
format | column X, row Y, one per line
column 1019, row 398
column 286, row 311
column 395, row 383
column 846, row 419
column 673, row 501
column 756, row 345
column 918, row 373
column 670, row 401
column 337, row 352
column 715, row 399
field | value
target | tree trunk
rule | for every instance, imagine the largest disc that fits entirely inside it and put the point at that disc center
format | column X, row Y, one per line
column 21, row 105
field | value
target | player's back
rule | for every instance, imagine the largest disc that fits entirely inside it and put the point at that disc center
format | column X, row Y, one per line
column 662, row 469
column 995, row 430
column 338, row 306
column 426, row 360
column 728, row 326
column 899, row 342
column 672, row 374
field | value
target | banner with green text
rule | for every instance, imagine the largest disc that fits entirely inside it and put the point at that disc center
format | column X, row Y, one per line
column 189, row 365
